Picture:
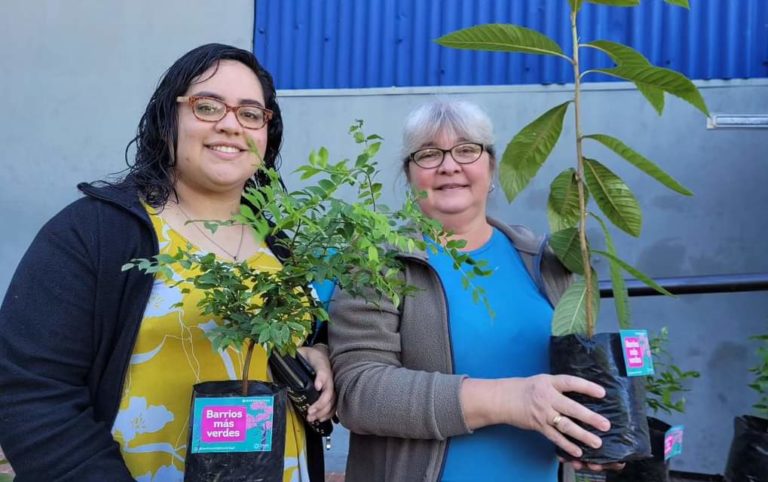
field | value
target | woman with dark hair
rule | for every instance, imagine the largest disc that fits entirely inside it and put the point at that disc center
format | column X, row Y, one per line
column 97, row 364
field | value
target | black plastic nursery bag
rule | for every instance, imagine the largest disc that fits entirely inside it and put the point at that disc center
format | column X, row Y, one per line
column 748, row 458
column 599, row 359
column 234, row 437
column 655, row 469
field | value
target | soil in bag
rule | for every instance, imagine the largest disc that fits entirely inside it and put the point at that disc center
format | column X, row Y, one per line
column 599, row 359
column 233, row 437
column 748, row 458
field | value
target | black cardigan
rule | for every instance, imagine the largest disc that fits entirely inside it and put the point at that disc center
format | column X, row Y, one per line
column 68, row 326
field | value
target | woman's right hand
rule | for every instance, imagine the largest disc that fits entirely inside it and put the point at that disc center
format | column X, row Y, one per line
column 536, row 403
column 546, row 409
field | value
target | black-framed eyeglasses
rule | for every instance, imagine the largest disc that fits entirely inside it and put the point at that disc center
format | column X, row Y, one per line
column 210, row 109
column 433, row 157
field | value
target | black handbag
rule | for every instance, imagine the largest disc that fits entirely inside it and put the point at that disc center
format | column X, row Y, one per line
column 299, row 378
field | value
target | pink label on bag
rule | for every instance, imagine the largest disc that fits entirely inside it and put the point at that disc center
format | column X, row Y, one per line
column 673, row 442
column 637, row 352
column 224, row 424
column 634, row 352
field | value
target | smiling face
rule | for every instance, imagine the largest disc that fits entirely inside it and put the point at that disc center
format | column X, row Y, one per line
column 214, row 156
column 455, row 192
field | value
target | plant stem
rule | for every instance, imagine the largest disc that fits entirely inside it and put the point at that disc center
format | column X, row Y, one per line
column 370, row 188
column 296, row 233
column 247, row 365
column 580, row 180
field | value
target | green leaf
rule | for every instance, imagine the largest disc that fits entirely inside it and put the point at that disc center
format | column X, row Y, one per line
column 308, row 171
column 640, row 162
column 613, row 197
column 211, row 226
column 502, row 38
column 619, row 287
column 327, row 185
column 621, row 54
column 616, row 3
column 528, row 150
column 570, row 313
column 563, row 202
column 575, row 5
column 647, row 280
column 633, row 66
column 667, row 80
column 373, row 149
column 323, row 155
column 624, row 55
column 164, row 258
column 679, row 3
column 654, row 95
column 566, row 245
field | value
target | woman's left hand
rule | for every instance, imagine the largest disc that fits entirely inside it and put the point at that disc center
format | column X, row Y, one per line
column 325, row 406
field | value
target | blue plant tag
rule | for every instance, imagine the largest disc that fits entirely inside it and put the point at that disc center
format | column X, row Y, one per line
column 673, row 442
column 586, row 476
column 232, row 424
column 637, row 352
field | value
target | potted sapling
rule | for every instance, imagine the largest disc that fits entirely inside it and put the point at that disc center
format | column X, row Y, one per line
column 665, row 391
column 748, row 455
column 318, row 237
column 575, row 347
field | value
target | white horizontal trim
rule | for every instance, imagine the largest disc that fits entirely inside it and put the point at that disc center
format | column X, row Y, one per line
column 488, row 89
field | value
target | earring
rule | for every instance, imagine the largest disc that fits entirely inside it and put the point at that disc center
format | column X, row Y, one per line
column 491, row 188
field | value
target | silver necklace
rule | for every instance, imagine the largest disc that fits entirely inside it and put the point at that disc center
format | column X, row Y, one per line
column 234, row 256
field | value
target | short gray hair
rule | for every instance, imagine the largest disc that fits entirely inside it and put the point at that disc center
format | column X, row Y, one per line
column 462, row 118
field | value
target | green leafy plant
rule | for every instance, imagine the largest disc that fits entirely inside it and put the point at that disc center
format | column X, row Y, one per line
column 665, row 388
column 5, row 477
column 326, row 238
column 760, row 385
column 572, row 189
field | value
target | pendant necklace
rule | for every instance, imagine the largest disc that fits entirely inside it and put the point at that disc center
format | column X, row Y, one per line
column 234, row 256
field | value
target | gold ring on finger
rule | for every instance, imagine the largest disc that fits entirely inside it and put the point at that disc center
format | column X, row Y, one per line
column 556, row 420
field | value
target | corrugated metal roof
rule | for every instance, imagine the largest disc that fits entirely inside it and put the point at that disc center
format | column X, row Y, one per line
column 310, row 44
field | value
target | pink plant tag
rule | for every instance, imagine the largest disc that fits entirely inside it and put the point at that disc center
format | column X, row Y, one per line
column 232, row 424
column 224, row 424
column 673, row 442
column 637, row 352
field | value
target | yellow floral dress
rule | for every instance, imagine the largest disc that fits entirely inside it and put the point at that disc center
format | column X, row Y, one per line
column 172, row 353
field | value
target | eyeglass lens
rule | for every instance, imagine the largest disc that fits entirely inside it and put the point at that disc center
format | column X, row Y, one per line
column 212, row 110
column 462, row 153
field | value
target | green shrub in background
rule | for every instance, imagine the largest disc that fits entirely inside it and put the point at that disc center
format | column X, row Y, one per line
column 665, row 388
column 760, row 384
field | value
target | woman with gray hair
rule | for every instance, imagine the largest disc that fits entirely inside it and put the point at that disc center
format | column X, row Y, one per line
column 437, row 389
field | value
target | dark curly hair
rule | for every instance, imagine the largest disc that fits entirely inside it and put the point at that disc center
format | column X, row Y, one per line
column 157, row 134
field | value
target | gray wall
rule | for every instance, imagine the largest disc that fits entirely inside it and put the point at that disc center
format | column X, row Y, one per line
column 77, row 75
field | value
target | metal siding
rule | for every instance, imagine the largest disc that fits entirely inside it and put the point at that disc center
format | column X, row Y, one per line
column 309, row 44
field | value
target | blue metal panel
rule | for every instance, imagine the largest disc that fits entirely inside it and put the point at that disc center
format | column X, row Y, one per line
column 381, row 43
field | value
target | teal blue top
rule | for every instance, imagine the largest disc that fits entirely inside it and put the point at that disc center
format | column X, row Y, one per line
column 515, row 343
